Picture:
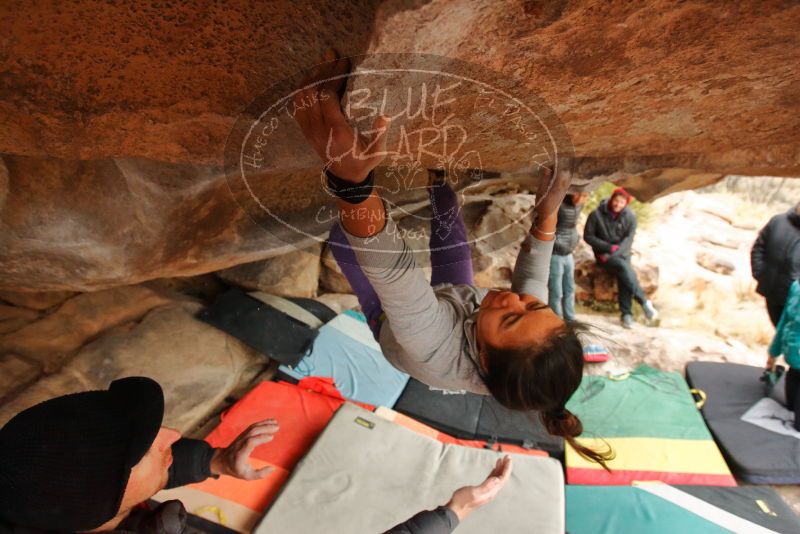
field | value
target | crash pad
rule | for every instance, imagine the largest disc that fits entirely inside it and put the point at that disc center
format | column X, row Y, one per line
column 755, row 454
column 666, row 509
column 302, row 411
column 366, row 474
column 650, row 421
column 470, row 416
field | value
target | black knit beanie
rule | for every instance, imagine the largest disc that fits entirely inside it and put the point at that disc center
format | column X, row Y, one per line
column 65, row 463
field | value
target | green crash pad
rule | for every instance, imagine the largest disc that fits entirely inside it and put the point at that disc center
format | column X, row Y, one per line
column 664, row 509
column 643, row 403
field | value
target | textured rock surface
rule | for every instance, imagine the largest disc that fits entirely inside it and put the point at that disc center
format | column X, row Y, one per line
column 295, row 274
column 13, row 318
column 15, row 373
column 114, row 116
column 595, row 284
column 652, row 79
column 78, row 320
column 330, row 277
column 717, row 264
column 35, row 301
column 205, row 287
column 499, row 233
column 164, row 346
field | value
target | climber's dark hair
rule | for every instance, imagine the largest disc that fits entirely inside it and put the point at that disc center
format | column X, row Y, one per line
column 543, row 378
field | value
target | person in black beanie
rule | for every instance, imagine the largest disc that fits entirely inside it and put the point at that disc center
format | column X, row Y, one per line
column 86, row 462
column 82, row 462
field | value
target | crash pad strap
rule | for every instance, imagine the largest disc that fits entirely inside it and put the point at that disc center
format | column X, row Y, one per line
column 707, row 511
column 288, row 307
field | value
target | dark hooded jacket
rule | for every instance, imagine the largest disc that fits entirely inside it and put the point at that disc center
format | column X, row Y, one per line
column 775, row 257
column 603, row 230
column 566, row 232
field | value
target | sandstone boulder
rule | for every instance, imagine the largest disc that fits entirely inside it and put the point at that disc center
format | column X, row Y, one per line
column 205, row 287
column 595, row 284
column 655, row 183
column 13, row 318
column 715, row 263
column 80, row 319
column 114, row 144
column 330, row 277
column 294, row 274
column 40, row 300
column 15, row 374
column 725, row 241
column 196, row 364
column 497, row 235
column 628, row 79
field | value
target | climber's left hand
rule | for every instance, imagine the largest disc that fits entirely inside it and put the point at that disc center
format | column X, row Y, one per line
column 349, row 154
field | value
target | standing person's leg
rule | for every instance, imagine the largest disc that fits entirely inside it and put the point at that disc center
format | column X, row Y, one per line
column 451, row 259
column 630, row 277
column 346, row 259
column 569, row 287
column 775, row 310
column 793, row 394
column 555, row 285
column 619, row 268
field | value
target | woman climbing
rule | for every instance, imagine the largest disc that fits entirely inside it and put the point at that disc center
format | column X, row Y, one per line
column 447, row 333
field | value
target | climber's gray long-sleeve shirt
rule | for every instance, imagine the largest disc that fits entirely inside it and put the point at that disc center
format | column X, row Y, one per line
column 430, row 333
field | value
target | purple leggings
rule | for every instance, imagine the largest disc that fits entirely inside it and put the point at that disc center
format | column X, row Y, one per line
column 451, row 261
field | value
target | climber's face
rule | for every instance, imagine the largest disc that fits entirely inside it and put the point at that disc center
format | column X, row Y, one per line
column 509, row 320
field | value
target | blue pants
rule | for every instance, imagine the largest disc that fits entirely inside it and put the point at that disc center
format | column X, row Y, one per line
column 562, row 286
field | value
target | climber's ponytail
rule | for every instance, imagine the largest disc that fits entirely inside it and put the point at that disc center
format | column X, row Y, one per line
column 562, row 422
column 543, row 377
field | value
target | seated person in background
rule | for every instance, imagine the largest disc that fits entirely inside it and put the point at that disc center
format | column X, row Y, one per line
column 609, row 231
column 86, row 462
column 787, row 342
column 562, row 263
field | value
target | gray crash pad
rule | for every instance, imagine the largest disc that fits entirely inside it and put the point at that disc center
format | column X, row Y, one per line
column 755, row 455
column 365, row 474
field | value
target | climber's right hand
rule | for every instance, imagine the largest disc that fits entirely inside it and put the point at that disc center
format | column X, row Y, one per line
column 551, row 191
column 347, row 153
